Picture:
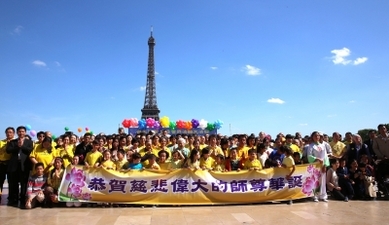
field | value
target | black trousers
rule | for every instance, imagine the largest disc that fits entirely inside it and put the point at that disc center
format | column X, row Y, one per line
column 3, row 174
column 15, row 178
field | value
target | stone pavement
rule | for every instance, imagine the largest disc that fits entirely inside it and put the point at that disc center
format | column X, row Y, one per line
column 301, row 212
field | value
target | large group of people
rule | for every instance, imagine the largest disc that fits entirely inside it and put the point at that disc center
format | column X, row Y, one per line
column 350, row 167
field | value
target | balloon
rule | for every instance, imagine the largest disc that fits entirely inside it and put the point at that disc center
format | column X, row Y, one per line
column 133, row 122
column 157, row 125
column 53, row 137
column 164, row 121
column 79, row 129
column 172, row 125
column 66, row 129
column 28, row 127
column 203, row 124
column 218, row 124
column 32, row 133
column 180, row 124
column 195, row 123
column 86, row 128
column 91, row 132
column 188, row 125
column 150, row 122
column 126, row 123
column 210, row 126
column 142, row 124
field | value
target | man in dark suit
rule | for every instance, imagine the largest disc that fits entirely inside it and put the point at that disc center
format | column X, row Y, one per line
column 19, row 166
column 369, row 142
column 83, row 148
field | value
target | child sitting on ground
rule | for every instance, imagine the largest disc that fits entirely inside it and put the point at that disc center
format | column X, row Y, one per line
column 35, row 187
column 333, row 181
column 54, row 181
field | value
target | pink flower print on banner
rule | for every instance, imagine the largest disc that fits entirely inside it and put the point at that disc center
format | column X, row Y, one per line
column 86, row 196
column 74, row 190
column 76, row 176
column 311, row 181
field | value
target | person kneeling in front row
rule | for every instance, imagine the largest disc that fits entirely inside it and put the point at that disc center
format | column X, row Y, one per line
column 35, row 187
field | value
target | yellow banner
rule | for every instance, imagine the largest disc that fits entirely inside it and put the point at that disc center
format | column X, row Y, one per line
column 186, row 187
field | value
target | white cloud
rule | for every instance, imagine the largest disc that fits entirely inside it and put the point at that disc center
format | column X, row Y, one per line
column 331, row 115
column 142, row 88
column 276, row 101
column 252, row 70
column 352, row 101
column 39, row 63
column 214, row 68
column 18, row 30
column 340, row 56
column 360, row 60
column 303, row 124
column 57, row 63
column 156, row 73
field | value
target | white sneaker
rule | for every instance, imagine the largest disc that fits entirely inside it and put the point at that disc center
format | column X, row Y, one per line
column 315, row 199
column 325, row 200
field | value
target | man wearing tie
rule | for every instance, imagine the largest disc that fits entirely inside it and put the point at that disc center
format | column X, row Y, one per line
column 19, row 166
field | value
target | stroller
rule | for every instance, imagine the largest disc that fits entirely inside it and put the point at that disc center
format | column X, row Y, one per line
column 382, row 178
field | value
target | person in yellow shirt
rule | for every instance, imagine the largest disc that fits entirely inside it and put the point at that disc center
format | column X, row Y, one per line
column 242, row 148
column 40, row 135
column 177, row 161
column 206, row 162
column 163, row 159
column 288, row 163
column 289, row 142
column 252, row 163
column 224, row 145
column 214, row 150
column 219, row 165
column 163, row 146
column 155, row 143
column 4, row 156
column 191, row 140
column 121, row 161
column 338, row 147
column 94, row 157
column 193, row 162
column 202, row 142
column 153, row 165
column 66, row 151
column 43, row 153
column 107, row 163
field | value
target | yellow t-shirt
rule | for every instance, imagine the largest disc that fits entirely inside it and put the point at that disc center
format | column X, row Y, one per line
column 255, row 164
column 207, row 163
column 55, row 181
column 4, row 156
column 109, row 165
column 175, row 164
column 120, row 164
column 153, row 166
column 295, row 148
column 203, row 146
column 42, row 155
column 165, row 165
column 93, row 157
column 338, row 148
column 190, row 147
column 216, row 151
column 288, row 161
column 67, row 155
column 219, row 167
column 243, row 151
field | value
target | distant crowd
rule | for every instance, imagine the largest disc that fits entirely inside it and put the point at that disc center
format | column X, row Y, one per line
column 352, row 168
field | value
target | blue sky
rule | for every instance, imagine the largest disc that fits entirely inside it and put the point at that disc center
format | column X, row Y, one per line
column 272, row 66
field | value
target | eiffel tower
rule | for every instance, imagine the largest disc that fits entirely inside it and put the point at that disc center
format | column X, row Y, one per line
column 150, row 108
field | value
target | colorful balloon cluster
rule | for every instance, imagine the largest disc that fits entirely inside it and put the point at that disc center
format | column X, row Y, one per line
column 165, row 122
column 29, row 129
column 133, row 122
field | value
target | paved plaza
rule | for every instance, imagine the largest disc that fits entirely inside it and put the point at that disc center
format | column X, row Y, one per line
column 301, row 212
